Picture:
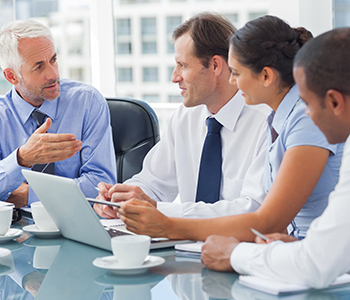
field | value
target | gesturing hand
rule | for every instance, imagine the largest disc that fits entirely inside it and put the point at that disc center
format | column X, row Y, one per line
column 43, row 148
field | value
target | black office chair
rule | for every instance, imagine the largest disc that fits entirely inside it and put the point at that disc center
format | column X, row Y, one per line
column 135, row 130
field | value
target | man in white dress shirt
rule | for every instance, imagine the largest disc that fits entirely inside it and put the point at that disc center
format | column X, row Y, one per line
column 322, row 72
column 171, row 168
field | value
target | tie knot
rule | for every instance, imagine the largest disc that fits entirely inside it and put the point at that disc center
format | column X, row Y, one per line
column 213, row 125
column 39, row 117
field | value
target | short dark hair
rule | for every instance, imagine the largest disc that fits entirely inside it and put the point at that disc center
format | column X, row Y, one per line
column 326, row 62
column 210, row 32
column 269, row 42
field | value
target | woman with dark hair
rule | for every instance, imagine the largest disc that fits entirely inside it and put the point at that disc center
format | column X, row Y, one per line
column 301, row 167
column 322, row 256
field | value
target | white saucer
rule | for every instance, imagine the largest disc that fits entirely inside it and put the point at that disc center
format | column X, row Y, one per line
column 10, row 235
column 110, row 263
column 41, row 233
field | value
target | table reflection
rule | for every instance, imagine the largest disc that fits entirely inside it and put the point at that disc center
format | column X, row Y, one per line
column 59, row 268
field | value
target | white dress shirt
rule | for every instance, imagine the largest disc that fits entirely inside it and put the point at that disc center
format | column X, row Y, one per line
column 318, row 259
column 171, row 167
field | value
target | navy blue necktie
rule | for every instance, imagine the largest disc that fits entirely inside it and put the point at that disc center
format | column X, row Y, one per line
column 49, row 168
column 209, row 177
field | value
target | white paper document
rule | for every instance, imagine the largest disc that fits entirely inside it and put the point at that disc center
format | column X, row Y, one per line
column 190, row 247
column 193, row 250
column 278, row 288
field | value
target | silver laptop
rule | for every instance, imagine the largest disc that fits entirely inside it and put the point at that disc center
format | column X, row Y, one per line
column 73, row 214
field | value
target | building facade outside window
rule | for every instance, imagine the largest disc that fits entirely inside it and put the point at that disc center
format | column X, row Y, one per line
column 171, row 23
column 143, row 51
column 124, row 74
column 123, row 36
column 150, row 74
column 149, row 35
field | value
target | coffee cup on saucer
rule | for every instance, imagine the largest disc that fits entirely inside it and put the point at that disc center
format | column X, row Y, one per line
column 5, row 218
column 130, row 250
column 42, row 218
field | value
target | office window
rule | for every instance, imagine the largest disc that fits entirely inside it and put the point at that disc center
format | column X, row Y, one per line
column 124, row 74
column 124, row 48
column 149, row 35
column 175, row 98
column 6, row 11
column 149, row 47
column 233, row 18
column 148, row 26
column 341, row 13
column 76, row 74
column 171, row 24
column 123, row 36
column 123, row 27
column 254, row 15
column 170, row 73
column 75, row 45
column 150, row 74
column 35, row 8
column 151, row 98
column 136, row 1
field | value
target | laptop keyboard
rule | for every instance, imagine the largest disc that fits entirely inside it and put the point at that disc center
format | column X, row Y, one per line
column 115, row 232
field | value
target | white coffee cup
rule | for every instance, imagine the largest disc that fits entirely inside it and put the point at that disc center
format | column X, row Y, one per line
column 42, row 218
column 5, row 218
column 131, row 250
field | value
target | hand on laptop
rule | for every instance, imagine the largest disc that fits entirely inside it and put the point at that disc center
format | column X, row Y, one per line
column 142, row 217
column 118, row 193
column 124, row 192
column 103, row 210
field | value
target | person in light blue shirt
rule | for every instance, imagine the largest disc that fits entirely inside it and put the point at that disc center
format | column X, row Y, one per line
column 294, row 128
column 76, row 135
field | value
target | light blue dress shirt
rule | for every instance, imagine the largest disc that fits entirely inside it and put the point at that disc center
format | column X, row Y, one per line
column 80, row 110
column 295, row 128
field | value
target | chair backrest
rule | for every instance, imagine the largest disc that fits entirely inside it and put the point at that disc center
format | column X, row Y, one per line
column 135, row 130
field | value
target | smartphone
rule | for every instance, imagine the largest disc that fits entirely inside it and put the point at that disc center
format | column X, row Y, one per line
column 109, row 203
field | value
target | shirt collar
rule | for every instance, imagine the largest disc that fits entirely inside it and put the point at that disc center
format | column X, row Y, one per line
column 284, row 109
column 24, row 109
column 229, row 114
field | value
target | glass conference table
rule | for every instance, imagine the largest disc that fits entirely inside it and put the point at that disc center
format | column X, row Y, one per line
column 58, row 268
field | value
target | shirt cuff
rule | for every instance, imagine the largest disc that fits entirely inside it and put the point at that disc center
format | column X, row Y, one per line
column 12, row 168
column 170, row 209
column 241, row 257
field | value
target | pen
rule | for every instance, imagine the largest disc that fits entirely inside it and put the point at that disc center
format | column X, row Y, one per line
column 97, row 189
column 264, row 237
column 107, row 203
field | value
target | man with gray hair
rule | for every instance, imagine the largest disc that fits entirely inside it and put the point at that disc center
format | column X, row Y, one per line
column 48, row 124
